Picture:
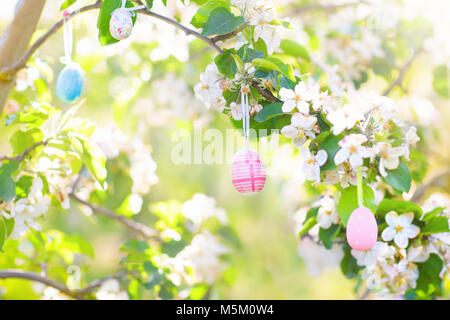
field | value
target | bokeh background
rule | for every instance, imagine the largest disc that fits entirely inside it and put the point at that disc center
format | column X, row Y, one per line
column 143, row 86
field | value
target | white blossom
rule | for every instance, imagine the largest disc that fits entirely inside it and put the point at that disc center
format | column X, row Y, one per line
column 297, row 98
column 300, row 129
column 352, row 150
column 400, row 228
column 208, row 90
column 327, row 214
column 202, row 207
column 389, row 156
column 344, row 118
column 312, row 163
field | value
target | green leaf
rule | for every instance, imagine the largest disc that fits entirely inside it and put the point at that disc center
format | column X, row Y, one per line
column 135, row 290
column 202, row 14
column 226, row 64
column 7, row 184
column 311, row 222
column 23, row 186
column 331, row 146
column 441, row 81
column 436, row 225
column 387, row 205
column 108, row 6
column 348, row 264
column 67, row 4
column 271, row 63
column 400, row 178
column 247, row 54
column 221, row 21
column 429, row 280
column 427, row 216
column 93, row 158
column 149, row 3
column 2, row 233
column 349, row 202
column 328, row 235
column 24, row 139
column 269, row 111
column 294, row 49
column 134, row 246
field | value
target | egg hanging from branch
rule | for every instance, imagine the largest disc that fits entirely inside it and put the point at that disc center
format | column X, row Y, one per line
column 70, row 83
column 121, row 24
column 247, row 172
column 362, row 229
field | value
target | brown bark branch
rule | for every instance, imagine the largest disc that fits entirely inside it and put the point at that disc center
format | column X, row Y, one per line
column 76, row 294
column 132, row 225
column 15, row 40
column 22, row 156
column 7, row 73
column 436, row 180
column 401, row 75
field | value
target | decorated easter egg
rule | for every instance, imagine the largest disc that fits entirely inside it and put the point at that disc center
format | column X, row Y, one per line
column 121, row 24
column 362, row 229
column 247, row 172
column 70, row 83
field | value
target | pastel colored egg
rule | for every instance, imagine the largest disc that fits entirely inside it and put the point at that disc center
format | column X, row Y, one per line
column 362, row 229
column 247, row 172
column 69, row 84
column 121, row 24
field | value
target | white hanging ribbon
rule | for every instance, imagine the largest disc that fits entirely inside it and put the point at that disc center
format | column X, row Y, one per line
column 245, row 109
column 131, row 10
column 68, row 42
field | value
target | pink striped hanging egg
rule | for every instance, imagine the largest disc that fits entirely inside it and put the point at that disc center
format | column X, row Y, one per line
column 247, row 172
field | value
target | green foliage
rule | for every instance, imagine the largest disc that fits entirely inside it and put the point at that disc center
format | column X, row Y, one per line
column 400, row 178
column 436, row 225
column 441, row 81
column 294, row 49
column 108, row 6
column 269, row 111
column 388, row 205
column 331, row 146
column 429, row 280
column 328, row 235
column 310, row 221
column 348, row 202
column 272, row 63
column 221, row 21
column 7, row 185
column 348, row 264
column 226, row 64
column 66, row 4
column 202, row 14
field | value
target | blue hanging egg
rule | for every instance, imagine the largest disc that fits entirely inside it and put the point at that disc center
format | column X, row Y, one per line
column 70, row 83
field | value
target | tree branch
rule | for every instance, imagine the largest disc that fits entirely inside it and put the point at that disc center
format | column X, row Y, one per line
column 403, row 70
column 7, row 73
column 132, row 225
column 186, row 30
column 22, row 156
column 76, row 294
column 437, row 180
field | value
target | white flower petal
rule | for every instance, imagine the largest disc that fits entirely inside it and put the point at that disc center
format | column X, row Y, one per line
column 321, row 157
column 391, row 219
column 341, row 156
column 388, row 234
column 401, row 240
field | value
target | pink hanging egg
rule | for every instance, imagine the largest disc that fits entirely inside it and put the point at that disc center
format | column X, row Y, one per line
column 121, row 24
column 362, row 229
column 247, row 172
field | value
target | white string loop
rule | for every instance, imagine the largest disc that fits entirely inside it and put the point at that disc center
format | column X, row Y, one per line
column 130, row 10
column 245, row 109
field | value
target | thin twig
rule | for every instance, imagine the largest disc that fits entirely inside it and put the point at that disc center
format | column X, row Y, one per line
column 401, row 75
column 179, row 26
column 434, row 181
column 76, row 294
column 22, row 156
column 132, row 225
column 266, row 94
column 9, row 71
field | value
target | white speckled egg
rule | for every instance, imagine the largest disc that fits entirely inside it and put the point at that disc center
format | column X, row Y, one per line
column 121, row 24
